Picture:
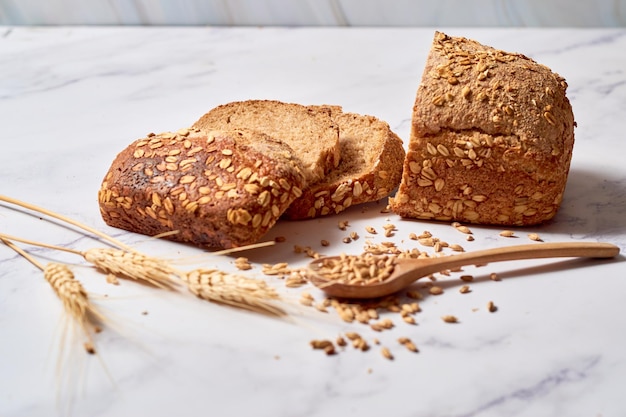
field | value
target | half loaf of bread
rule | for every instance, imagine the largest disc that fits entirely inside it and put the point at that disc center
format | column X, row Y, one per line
column 370, row 168
column 216, row 189
column 491, row 139
column 309, row 131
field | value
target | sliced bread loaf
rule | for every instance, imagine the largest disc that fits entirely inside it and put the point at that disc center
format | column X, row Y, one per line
column 309, row 131
column 216, row 189
column 370, row 168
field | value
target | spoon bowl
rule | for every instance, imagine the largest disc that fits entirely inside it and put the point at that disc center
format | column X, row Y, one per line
column 407, row 270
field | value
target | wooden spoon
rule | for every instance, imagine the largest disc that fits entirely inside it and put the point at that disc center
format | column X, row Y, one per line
column 407, row 271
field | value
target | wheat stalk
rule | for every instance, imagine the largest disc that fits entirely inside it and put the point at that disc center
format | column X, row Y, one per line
column 244, row 248
column 131, row 265
column 110, row 239
column 71, row 293
column 126, row 262
column 234, row 290
column 68, row 220
column 212, row 285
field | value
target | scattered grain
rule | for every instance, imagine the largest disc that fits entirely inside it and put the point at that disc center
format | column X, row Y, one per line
column 410, row 308
column 321, row 307
column 361, row 344
column 352, row 336
column 243, row 264
column 435, row 290
column 449, row 319
column 464, row 229
column 414, row 294
column 389, row 229
column 456, row 248
column 370, row 230
column 386, row 353
column 295, row 279
column 325, row 345
column 278, row 269
column 385, row 324
column 407, row 343
column 467, row 278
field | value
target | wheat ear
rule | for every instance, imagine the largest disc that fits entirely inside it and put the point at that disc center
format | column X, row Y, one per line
column 133, row 265
column 234, row 290
column 122, row 264
column 71, row 293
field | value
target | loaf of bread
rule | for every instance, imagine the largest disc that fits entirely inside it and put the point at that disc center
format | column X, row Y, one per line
column 370, row 168
column 216, row 189
column 309, row 131
column 491, row 138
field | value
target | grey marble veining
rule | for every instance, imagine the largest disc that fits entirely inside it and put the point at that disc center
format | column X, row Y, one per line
column 71, row 98
column 538, row 13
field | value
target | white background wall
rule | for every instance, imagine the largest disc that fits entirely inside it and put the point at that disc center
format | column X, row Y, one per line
column 561, row 13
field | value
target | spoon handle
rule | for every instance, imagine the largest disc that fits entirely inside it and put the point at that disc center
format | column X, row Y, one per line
column 530, row 251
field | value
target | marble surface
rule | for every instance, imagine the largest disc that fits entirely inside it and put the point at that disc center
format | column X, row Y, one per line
column 72, row 97
column 536, row 13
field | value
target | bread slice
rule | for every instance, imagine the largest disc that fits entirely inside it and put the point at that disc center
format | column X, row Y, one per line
column 219, row 189
column 491, row 139
column 309, row 131
column 370, row 168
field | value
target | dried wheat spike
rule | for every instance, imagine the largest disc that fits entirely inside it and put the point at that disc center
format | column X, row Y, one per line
column 234, row 290
column 74, row 297
column 132, row 265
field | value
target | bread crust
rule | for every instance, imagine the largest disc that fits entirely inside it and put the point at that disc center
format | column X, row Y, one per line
column 491, row 139
column 309, row 131
column 370, row 169
column 217, row 189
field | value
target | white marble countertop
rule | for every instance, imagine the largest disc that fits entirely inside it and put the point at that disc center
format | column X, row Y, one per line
column 72, row 97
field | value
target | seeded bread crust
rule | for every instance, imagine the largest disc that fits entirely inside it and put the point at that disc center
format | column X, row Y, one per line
column 370, row 168
column 491, row 139
column 310, row 131
column 219, row 189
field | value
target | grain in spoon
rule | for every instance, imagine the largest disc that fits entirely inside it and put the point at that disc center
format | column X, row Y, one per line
column 394, row 274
